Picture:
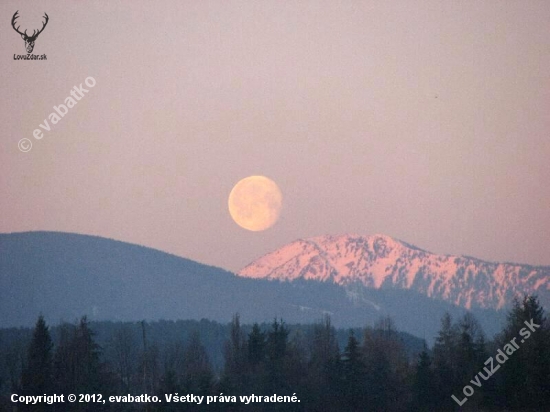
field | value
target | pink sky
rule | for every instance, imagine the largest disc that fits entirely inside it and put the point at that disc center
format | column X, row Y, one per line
column 426, row 120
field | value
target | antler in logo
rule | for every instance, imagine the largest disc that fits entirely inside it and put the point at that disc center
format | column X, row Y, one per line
column 29, row 40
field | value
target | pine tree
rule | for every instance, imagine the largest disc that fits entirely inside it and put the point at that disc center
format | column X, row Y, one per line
column 524, row 381
column 77, row 365
column 277, row 339
column 470, row 355
column 64, row 358
column 387, row 367
column 276, row 351
column 424, row 384
column 251, row 373
column 36, row 377
column 235, row 355
column 295, row 372
column 445, row 364
column 324, row 349
column 88, row 376
column 323, row 368
column 256, row 346
column 354, row 375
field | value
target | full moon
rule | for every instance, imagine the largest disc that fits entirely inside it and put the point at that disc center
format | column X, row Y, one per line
column 255, row 203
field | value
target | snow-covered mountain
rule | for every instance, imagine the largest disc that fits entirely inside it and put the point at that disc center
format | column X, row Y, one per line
column 379, row 261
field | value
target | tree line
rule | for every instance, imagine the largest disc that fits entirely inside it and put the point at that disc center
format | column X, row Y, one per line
column 373, row 370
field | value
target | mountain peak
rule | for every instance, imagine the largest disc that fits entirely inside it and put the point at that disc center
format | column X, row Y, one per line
column 380, row 261
column 340, row 258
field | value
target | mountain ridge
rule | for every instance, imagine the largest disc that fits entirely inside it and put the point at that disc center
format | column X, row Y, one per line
column 380, row 261
column 65, row 276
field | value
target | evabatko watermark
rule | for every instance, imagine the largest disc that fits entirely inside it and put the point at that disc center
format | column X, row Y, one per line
column 501, row 357
column 76, row 94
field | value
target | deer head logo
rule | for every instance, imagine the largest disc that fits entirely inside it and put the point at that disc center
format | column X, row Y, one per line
column 29, row 40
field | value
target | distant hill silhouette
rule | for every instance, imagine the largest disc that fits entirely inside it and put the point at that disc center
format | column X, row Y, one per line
column 64, row 276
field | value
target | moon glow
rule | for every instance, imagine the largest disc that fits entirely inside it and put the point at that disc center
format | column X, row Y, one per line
column 255, row 203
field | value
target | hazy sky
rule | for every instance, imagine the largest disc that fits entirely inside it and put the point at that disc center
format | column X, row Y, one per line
column 426, row 120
